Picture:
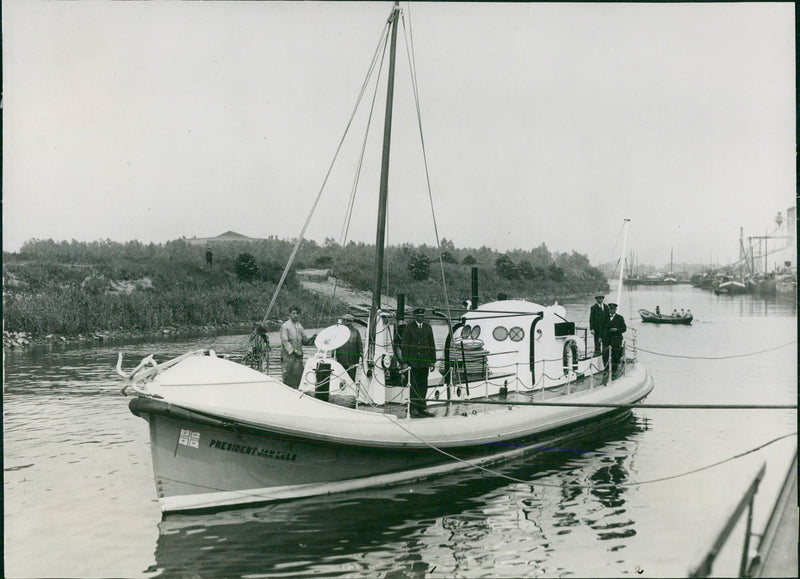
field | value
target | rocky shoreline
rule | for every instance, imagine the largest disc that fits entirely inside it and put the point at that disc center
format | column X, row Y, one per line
column 18, row 340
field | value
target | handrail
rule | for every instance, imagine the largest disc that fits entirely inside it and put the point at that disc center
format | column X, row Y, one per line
column 786, row 499
column 703, row 569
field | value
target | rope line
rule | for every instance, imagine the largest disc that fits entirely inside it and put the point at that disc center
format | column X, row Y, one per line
column 593, row 486
column 718, row 357
column 637, row 405
column 343, row 236
column 299, row 241
column 707, row 467
column 410, row 55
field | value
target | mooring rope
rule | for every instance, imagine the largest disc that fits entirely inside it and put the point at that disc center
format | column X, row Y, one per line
column 592, row 486
column 717, row 357
column 636, row 405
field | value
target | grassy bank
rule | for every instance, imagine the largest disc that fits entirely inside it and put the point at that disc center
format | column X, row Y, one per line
column 76, row 288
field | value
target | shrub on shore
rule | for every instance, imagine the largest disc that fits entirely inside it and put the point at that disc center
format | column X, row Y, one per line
column 72, row 288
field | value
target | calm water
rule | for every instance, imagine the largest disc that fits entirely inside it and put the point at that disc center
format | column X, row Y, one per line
column 80, row 498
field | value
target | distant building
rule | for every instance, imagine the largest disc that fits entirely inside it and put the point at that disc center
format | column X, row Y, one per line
column 227, row 237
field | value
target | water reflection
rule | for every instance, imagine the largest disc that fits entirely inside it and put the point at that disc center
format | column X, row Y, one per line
column 77, row 463
column 401, row 531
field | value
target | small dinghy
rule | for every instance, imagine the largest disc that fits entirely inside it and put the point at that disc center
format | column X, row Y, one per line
column 654, row 318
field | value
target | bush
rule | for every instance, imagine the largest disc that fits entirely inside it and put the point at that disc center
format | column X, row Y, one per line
column 447, row 257
column 246, row 267
column 506, row 268
column 419, row 266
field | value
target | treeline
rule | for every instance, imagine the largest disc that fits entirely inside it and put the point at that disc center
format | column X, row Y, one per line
column 71, row 288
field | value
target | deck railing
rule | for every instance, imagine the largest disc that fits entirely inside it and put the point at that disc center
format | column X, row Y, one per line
column 746, row 502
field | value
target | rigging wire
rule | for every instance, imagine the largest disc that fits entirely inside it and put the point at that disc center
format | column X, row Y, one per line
column 357, row 177
column 324, row 182
column 412, row 64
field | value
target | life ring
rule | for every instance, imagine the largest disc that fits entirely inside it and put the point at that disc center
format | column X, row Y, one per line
column 383, row 359
column 570, row 357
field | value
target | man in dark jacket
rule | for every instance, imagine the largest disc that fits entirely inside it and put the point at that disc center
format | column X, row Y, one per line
column 612, row 337
column 597, row 316
column 349, row 353
column 419, row 352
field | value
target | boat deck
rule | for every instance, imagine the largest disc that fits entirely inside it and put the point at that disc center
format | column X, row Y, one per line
column 442, row 408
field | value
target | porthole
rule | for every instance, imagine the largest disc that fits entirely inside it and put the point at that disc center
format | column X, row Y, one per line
column 476, row 332
column 500, row 333
column 466, row 332
column 516, row 333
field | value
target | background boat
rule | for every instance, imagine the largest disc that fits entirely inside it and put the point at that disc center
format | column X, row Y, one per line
column 653, row 318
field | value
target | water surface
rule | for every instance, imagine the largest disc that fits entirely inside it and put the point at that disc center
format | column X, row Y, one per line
column 80, row 499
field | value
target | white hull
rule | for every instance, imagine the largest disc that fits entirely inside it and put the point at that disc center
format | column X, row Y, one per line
column 247, row 438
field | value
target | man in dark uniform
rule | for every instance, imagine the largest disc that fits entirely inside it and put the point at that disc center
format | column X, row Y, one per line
column 419, row 352
column 612, row 337
column 349, row 353
column 597, row 316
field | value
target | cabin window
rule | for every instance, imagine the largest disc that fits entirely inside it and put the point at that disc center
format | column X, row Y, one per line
column 476, row 332
column 466, row 332
column 500, row 333
column 516, row 333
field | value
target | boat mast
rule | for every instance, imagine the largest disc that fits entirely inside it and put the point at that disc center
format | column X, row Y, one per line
column 621, row 268
column 380, row 236
column 670, row 261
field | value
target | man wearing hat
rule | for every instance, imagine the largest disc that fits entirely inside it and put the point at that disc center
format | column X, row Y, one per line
column 597, row 316
column 349, row 353
column 612, row 338
column 419, row 352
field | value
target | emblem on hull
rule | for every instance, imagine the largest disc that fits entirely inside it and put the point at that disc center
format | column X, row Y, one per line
column 189, row 438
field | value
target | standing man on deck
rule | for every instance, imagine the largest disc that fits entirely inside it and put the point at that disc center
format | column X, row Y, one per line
column 419, row 352
column 597, row 316
column 349, row 353
column 292, row 341
column 612, row 338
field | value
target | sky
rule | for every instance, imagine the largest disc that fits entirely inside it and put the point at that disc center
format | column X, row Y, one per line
column 542, row 123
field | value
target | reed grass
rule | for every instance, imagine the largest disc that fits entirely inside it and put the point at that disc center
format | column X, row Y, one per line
column 72, row 288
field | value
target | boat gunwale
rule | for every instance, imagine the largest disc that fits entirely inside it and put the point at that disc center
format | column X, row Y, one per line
column 426, row 432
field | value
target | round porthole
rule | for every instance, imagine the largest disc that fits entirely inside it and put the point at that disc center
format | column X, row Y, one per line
column 476, row 332
column 500, row 333
column 516, row 333
column 466, row 332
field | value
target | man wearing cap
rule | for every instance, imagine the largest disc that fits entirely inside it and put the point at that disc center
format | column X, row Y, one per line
column 419, row 352
column 349, row 353
column 597, row 316
column 612, row 338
